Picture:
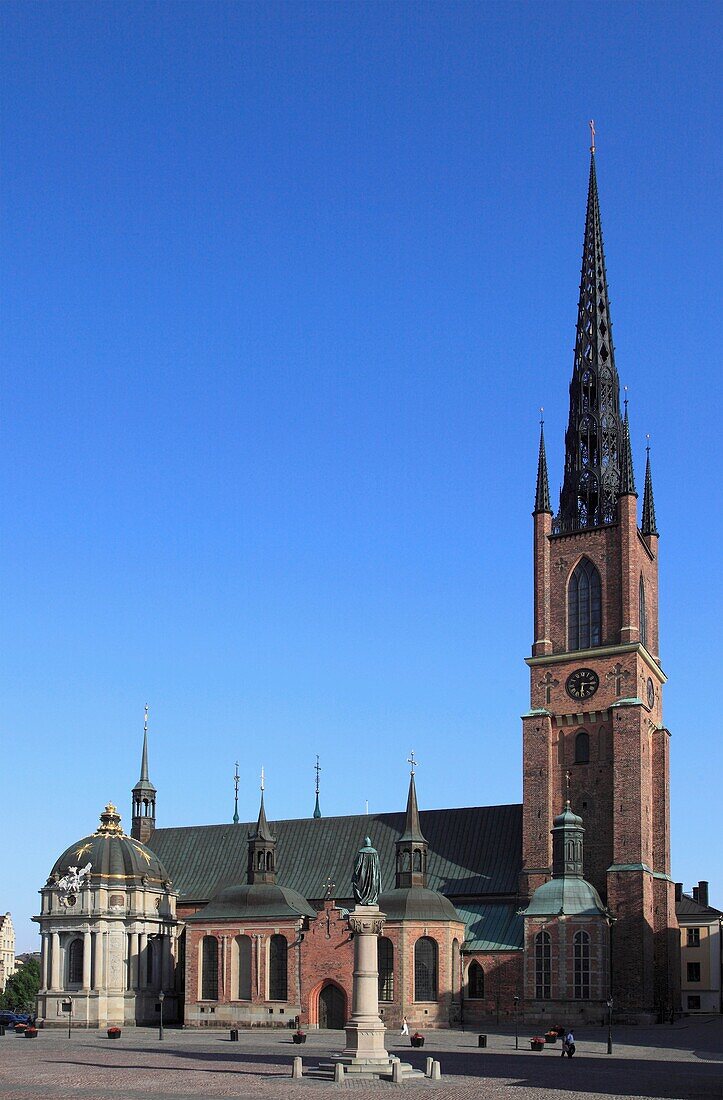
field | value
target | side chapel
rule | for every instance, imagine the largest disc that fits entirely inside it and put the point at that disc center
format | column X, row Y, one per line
column 553, row 906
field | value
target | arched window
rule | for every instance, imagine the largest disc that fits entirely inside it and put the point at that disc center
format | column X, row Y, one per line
column 269, row 861
column 475, row 981
column 278, row 981
column 385, row 965
column 584, row 606
column 543, row 966
column 581, row 947
column 243, row 945
column 582, row 748
column 643, row 615
column 209, row 968
column 417, row 859
column 75, row 962
column 425, row 969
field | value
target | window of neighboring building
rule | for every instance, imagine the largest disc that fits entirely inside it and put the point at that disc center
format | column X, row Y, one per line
column 694, row 1002
column 543, row 966
column 581, row 948
column 584, row 607
column 643, row 615
column 425, row 969
column 244, row 967
column 693, row 937
column 75, row 962
column 582, row 748
column 209, row 968
column 693, row 972
column 475, row 981
column 278, row 971
column 385, row 961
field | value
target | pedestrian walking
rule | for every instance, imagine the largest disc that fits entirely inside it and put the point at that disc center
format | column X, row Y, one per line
column 569, row 1047
column 405, row 1027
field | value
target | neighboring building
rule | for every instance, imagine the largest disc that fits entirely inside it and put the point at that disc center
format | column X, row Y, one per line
column 7, row 949
column 701, row 950
column 484, row 905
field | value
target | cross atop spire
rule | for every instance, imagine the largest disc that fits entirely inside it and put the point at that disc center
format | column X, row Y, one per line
column 412, row 762
column 593, row 439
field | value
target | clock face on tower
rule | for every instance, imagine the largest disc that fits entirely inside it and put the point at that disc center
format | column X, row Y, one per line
column 582, row 683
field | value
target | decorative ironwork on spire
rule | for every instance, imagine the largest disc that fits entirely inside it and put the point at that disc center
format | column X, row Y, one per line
column 593, row 439
column 317, row 769
column 627, row 475
column 649, row 526
column 235, row 794
column 542, row 491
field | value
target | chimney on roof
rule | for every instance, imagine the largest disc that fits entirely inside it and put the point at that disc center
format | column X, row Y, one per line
column 679, row 891
column 695, row 893
column 702, row 892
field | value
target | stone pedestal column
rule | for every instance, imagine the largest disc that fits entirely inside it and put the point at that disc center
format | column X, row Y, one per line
column 365, row 1030
column 55, row 961
column 86, row 960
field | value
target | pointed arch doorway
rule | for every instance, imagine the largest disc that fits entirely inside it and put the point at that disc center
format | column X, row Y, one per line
column 332, row 1007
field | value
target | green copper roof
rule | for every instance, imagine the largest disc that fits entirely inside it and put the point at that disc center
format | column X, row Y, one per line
column 472, row 851
column 571, row 895
column 491, row 926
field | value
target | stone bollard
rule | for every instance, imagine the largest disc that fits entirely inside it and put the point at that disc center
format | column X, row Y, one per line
column 296, row 1068
column 436, row 1074
column 428, row 1070
column 338, row 1073
column 396, row 1073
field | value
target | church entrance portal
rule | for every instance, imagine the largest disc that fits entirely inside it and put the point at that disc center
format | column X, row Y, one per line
column 331, row 1008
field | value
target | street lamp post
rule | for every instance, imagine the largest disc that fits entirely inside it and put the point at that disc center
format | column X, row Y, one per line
column 517, row 1029
column 610, row 1026
column 161, row 996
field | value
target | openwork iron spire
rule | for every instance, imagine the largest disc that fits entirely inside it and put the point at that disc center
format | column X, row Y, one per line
column 317, row 807
column 542, row 491
column 593, row 441
column 649, row 526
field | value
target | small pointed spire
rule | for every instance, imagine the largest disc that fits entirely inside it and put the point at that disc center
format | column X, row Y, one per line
column 261, row 848
column 144, row 757
column 542, row 492
column 627, row 475
column 317, row 769
column 649, row 526
column 262, row 831
column 235, row 794
column 411, row 845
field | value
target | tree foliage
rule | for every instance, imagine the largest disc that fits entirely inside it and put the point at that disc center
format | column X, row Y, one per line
column 22, row 988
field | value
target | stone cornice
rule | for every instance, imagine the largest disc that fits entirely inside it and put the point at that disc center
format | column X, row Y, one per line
column 603, row 652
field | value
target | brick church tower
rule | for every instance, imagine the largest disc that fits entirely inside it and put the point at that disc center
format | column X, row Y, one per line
column 596, row 681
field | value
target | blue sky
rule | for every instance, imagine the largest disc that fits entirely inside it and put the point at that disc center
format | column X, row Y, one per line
column 283, row 287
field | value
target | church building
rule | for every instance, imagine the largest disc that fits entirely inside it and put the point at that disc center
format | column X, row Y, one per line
column 550, row 908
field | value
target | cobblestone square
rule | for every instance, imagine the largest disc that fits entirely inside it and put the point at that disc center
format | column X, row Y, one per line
column 679, row 1062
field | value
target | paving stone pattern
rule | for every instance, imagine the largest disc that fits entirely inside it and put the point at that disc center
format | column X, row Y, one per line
column 679, row 1062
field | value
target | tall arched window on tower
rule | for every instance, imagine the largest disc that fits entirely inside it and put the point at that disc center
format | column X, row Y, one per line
column 385, row 961
column 643, row 613
column 543, row 966
column 209, row 968
column 584, row 607
column 582, row 747
column 425, row 969
column 581, row 947
column 278, row 980
column 75, row 963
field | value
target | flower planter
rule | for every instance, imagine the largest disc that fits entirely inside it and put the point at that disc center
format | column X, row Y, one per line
column 537, row 1044
column 417, row 1040
column 20, row 1029
column 551, row 1037
column 31, row 1033
column 299, row 1038
column 114, row 1033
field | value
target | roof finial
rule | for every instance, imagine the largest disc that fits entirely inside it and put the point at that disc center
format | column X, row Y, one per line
column 647, row 445
column 317, row 769
column 262, row 779
column 591, row 124
column 235, row 796
column 542, row 417
column 145, row 719
column 412, row 762
column 568, row 777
